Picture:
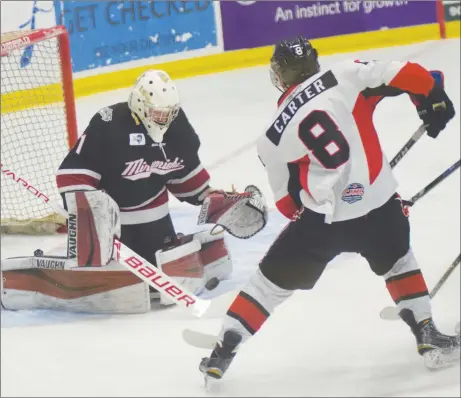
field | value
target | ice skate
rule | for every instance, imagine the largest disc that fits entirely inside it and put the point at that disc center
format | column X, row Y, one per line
column 439, row 350
column 220, row 359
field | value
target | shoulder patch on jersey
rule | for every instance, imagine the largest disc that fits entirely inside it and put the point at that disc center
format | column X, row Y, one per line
column 106, row 114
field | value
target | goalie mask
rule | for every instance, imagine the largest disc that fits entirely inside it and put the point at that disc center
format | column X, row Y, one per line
column 155, row 101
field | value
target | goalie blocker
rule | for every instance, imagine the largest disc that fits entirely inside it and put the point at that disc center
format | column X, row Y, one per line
column 90, row 280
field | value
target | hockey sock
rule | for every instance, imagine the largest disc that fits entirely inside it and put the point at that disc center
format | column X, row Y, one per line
column 253, row 306
column 407, row 287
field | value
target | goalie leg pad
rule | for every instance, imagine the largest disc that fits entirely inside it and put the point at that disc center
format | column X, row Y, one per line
column 56, row 283
column 215, row 256
column 194, row 260
column 183, row 263
column 94, row 220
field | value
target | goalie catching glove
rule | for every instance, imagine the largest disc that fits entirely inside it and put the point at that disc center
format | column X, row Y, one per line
column 240, row 214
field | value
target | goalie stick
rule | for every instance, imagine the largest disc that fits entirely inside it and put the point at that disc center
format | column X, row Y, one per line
column 146, row 271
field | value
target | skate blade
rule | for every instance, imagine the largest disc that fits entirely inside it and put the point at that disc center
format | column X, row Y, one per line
column 209, row 383
column 211, row 380
column 441, row 358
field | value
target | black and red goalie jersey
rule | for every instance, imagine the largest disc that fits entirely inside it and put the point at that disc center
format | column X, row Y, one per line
column 116, row 154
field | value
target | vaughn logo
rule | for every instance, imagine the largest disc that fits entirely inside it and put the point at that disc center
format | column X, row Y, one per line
column 139, row 169
column 72, row 236
column 50, row 264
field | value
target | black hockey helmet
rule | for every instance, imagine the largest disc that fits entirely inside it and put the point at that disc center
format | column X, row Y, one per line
column 293, row 62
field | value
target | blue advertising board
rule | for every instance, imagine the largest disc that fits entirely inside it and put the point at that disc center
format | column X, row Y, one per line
column 110, row 32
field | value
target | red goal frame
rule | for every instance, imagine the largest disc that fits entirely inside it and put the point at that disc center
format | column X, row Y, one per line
column 23, row 39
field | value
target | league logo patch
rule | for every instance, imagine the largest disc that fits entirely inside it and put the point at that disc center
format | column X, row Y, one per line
column 106, row 114
column 137, row 139
column 353, row 193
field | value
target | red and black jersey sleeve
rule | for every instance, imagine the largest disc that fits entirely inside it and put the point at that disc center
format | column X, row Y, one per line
column 390, row 78
column 190, row 182
column 83, row 166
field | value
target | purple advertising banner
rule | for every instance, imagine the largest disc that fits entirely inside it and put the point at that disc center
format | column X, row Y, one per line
column 249, row 24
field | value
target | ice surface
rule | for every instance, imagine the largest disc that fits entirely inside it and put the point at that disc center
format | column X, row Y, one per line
column 327, row 342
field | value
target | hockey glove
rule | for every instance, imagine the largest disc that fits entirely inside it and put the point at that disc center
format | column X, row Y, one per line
column 435, row 110
column 405, row 204
column 240, row 214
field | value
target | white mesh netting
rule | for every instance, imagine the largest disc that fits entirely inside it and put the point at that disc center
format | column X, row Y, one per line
column 33, row 136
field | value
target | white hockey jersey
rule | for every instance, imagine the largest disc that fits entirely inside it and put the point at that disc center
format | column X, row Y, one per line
column 322, row 151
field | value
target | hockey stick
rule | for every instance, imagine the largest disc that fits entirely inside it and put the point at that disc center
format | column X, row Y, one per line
column 392, row 313
column 409, row 144
column 230, row 156
column 434, row 183
column 139, row 266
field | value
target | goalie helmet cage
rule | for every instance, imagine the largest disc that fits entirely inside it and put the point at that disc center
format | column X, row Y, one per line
column 38, row 126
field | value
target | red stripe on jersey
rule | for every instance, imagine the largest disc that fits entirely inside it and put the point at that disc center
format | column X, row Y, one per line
column 413, row 78
column 286, row 94
column 363, row 115
column 159, row 201
column 287, row 206
column 67, row 180
column 304, row 164
column 190, row 184
column 250, row 312
column 407, row 286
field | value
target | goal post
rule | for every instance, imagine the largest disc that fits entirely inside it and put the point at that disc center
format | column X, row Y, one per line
column 38, row 126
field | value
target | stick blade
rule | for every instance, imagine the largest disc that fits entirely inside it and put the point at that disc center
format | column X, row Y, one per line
column 390, row 314
column 198, row 339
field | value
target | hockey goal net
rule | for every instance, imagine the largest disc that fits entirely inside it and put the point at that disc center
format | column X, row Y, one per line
column 38, row 125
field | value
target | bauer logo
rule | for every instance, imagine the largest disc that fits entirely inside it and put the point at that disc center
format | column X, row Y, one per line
column 353, row 193
column 72, row 237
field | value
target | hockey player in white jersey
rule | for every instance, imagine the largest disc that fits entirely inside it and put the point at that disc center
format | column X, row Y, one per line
column 330, row 177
